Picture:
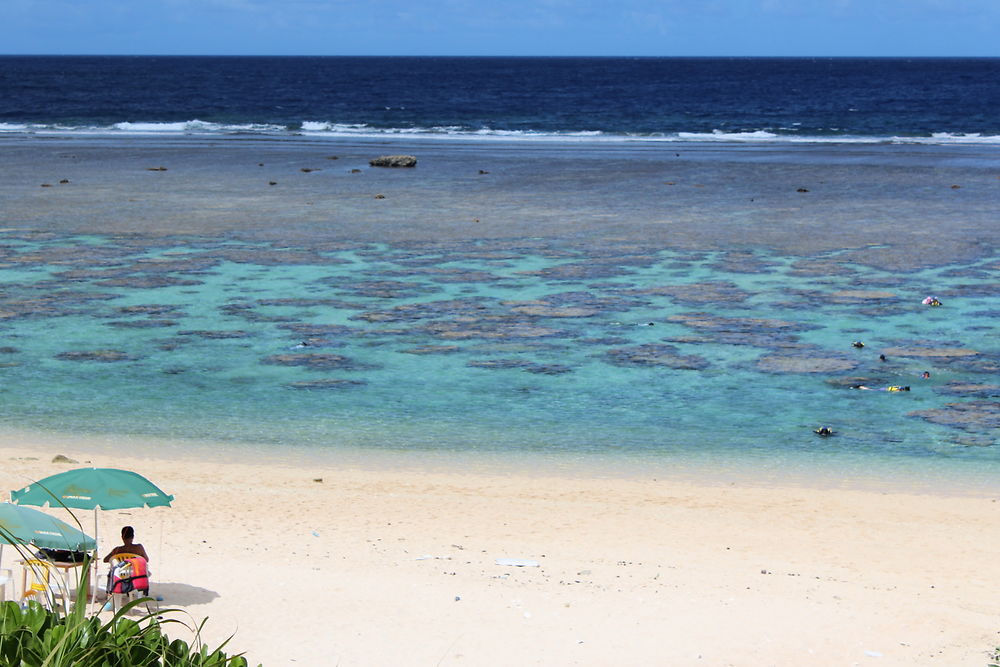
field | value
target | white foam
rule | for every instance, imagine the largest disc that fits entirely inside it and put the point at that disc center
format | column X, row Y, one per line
column 719, row 135
column 151, row 128
column 332, row 129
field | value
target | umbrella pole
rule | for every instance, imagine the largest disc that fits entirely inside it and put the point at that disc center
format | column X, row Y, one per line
column 93, row 583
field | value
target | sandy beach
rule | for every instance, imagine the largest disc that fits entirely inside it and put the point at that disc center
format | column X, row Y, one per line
column 341, row 565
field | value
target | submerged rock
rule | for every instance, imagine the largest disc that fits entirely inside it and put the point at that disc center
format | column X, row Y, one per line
column 930, row 352
column 655, row 354
column 778, row 363
column 311, row 360
column 433, row 349
column 393, row 161
column 972, row 415
column 328, row 383
column 94, row 355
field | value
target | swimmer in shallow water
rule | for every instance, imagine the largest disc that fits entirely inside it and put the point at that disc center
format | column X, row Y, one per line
column 891, row 387
column 823, row 431
column 925, row 375
column 857, row 343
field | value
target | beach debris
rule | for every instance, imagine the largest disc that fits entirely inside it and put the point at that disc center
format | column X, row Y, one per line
column 873, row 654
column 517, row 562
column 393, row 161
column 315, row 533
column 431, row 557
column 318, row 479
column 61, row 458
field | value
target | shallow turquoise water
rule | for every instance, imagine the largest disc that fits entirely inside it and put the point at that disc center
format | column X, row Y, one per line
column 502, row 347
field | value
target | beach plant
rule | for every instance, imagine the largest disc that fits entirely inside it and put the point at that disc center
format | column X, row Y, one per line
column 66, row 635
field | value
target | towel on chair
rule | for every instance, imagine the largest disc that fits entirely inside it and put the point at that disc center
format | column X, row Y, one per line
column 131, row 574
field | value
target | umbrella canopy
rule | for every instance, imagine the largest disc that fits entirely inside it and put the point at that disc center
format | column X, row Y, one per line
column 21, row 525
column 93, row 488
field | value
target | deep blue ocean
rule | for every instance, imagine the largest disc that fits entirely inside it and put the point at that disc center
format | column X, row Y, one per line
column 656, row 264
column 590, row 99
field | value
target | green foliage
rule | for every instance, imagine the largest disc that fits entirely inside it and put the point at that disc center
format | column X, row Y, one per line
column 37, row 637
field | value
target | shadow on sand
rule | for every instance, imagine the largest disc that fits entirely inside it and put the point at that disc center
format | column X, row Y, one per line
column 182, row 594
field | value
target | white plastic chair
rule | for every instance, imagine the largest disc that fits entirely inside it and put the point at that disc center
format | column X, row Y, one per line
column 45, row 585
column 6, row 579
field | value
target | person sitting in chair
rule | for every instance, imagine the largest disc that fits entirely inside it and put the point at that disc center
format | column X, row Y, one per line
column 127, row 546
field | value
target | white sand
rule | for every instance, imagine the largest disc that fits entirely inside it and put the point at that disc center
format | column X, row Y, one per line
column 389, row 567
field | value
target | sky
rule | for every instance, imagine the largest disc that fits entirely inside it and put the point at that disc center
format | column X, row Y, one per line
column 510, row 27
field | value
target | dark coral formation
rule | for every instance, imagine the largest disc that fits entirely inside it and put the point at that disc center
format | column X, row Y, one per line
column 653, row 354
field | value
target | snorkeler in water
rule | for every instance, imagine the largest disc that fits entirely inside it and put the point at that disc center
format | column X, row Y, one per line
column 892, row 387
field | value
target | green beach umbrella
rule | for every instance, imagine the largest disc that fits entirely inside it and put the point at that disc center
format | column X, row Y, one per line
column 92, row 489
column 24, row 525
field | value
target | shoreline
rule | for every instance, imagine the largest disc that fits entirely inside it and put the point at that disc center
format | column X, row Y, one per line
column 765, row 472
column 382, row 567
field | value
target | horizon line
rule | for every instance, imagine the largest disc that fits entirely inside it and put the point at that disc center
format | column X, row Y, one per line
column 525, row 56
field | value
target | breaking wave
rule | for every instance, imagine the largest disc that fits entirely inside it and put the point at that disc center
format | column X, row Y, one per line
column 334, row 130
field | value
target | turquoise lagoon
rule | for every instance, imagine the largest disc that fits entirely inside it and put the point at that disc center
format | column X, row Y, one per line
column 626, row 356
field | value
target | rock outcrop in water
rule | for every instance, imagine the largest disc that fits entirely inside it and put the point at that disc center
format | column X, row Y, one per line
column 393, row 161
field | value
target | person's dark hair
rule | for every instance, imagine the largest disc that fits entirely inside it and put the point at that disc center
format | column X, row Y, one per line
column 127, row 532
